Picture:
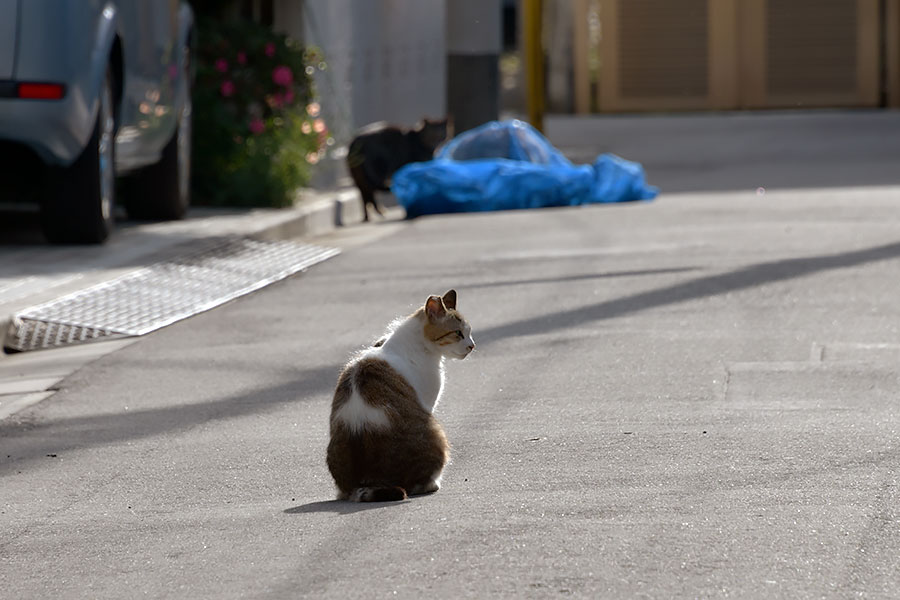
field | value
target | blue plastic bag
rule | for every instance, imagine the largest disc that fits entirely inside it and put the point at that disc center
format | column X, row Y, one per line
column 509, row 165
column 514, row 139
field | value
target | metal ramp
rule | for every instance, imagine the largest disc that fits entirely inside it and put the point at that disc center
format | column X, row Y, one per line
column 160, row 294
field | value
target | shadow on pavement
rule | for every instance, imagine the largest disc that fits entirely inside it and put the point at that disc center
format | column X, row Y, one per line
column 21, row 442
column 582, row 276
column 25, row 253
column 748, row 277
column 20, row 228
column 340, row 507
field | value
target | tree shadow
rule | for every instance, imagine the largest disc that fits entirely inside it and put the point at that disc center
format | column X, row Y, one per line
column 582, row 277
column 740, row 279
column 25, row 253
column 339, row 507
column 26, row 442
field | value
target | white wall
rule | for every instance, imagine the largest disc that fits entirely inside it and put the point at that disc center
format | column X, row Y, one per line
column 386, row 58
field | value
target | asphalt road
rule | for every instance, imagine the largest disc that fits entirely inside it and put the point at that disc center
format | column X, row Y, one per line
column 743, row 150
column 693, row 397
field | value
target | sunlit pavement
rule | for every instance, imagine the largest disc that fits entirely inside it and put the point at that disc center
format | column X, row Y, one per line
column 690, row 397
column 33, row 273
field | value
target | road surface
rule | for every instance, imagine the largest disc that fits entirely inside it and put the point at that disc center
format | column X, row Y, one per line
column 692, row 397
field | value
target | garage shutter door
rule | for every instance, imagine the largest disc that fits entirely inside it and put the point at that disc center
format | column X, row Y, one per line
column 810, row 53
column 729, row 54
column 663, row 49
column 656, row 54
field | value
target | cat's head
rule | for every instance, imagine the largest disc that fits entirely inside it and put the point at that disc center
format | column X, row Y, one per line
column 433, row 132
column 446, row 329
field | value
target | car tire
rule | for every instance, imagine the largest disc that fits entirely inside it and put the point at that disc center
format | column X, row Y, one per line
column 162, row 191
column 78, row 204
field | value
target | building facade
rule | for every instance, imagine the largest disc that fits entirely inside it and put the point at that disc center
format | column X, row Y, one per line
column 660, row 55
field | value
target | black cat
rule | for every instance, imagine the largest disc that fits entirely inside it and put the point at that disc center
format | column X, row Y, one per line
column 380, row 149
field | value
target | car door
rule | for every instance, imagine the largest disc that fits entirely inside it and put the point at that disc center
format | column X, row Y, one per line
column 9, row 11
column 148, row 119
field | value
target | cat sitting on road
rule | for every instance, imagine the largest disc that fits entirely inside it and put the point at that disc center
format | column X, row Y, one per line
column 385, row 443
column 380, row 149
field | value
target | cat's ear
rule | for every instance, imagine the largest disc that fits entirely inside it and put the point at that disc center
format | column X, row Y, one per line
column 434, row 307
column 450, row 299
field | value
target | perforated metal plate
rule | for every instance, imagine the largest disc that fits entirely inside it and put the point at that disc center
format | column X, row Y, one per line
column 155, row 296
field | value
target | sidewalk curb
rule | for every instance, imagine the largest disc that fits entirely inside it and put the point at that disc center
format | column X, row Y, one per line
column 317, row 216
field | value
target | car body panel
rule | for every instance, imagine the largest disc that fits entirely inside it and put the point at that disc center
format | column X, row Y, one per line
column 71, row 43
column 9, row 9
column 154, row 79
column 58, row 130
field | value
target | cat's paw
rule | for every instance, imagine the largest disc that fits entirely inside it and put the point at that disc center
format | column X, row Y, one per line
column 425, row 488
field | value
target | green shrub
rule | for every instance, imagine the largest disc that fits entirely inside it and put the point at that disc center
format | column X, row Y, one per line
column 256, row 125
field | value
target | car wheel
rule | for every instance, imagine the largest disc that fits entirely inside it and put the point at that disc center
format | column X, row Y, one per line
column 163, row 191
column 79, row 200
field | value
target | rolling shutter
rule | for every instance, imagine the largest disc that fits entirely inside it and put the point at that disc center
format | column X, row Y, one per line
column 730, row 54
column 807, row 53
column 655, row 54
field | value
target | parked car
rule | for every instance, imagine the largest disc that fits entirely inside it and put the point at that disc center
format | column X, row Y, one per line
column 91, row 90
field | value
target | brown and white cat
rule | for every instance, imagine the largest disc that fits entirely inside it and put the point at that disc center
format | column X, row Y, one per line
column 385, row 442
column 380, row 149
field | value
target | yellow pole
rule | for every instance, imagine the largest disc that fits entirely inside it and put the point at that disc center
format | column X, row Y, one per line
column 534, row 61
column 581, row 47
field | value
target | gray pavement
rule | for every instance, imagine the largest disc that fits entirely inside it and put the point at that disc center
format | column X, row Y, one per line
column 692, row 397
column 31, row 272
column 744, row 151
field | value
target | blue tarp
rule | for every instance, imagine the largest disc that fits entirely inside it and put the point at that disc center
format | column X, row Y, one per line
column 508, row 165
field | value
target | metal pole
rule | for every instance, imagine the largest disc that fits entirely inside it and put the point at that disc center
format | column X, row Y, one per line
column 534, row 61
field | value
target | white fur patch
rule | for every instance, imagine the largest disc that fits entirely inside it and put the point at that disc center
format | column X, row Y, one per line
column 357, row 414
column 407, row 352
column 430, row 487
column 426, row 376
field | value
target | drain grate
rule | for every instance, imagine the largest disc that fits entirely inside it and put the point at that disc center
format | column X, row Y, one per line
column 155, row 296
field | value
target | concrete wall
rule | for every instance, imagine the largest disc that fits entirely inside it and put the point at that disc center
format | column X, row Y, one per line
column 386, row 59
column 474, row 41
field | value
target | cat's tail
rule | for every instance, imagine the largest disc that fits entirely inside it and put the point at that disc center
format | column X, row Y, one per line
column 377, row 494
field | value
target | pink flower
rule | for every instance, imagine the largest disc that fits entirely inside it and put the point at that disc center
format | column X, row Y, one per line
column 282, row 76
column 275, row 100
column 257, row 126
column 221, row 65
column 270, row 50
column 242, row 58
column 227, row 88
column 289, row 96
